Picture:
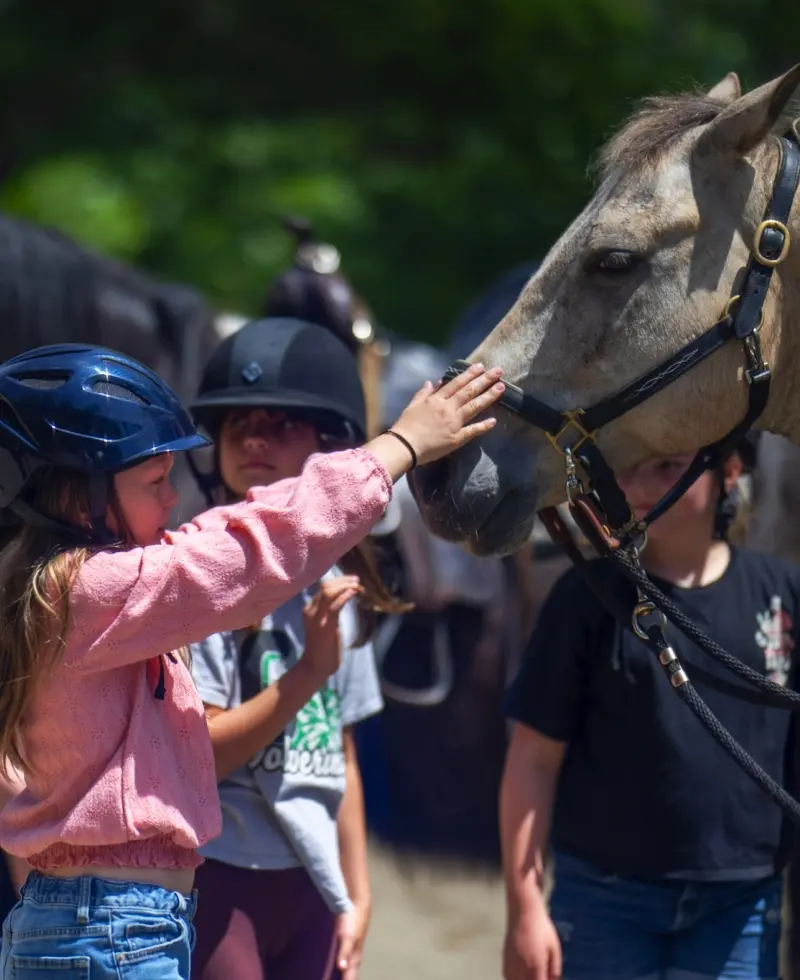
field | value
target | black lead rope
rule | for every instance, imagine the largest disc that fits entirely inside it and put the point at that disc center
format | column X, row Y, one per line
column 770, row 693
column 657, row 642
column 680, row 672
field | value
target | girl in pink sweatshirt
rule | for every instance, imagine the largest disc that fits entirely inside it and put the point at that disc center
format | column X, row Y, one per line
column 99, row 602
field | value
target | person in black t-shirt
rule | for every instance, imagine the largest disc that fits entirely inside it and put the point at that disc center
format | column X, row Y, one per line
column 668, row 858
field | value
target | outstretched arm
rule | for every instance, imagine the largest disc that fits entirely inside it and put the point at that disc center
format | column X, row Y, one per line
column 227, row 568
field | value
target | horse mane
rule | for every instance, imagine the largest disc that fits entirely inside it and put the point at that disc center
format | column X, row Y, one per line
column 657, row 124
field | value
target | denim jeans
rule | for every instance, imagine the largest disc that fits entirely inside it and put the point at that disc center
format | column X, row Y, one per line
column 614, row 928
column 96, row 929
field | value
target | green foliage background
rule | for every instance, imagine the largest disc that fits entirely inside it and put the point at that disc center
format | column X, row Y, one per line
column 436, row 142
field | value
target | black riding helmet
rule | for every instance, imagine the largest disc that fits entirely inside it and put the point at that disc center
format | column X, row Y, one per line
column 284, row 364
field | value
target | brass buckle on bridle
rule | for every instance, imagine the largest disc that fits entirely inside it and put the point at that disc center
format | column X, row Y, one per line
column 572, row 417
column 787, row 242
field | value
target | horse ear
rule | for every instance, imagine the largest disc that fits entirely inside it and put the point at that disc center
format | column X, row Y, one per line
column 726, row 91
column 748, row 120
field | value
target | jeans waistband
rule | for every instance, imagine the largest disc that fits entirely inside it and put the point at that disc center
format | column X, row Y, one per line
column 88, row 892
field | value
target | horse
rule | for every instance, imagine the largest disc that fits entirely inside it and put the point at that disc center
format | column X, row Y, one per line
column 686, row 241
column 655, row 258
column 53, row 290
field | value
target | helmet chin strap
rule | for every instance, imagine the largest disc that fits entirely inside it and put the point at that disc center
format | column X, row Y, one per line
column 207, row 483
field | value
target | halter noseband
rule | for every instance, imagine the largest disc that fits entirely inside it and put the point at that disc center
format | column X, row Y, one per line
column 741, row 321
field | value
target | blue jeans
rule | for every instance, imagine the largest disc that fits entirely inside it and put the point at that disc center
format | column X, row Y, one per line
column 614, row 928
column 96, row 929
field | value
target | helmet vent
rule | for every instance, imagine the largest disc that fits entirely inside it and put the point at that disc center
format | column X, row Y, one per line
column 117, row 391
column 43, row 384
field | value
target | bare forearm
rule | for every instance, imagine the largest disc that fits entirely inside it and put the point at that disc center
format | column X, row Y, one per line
column 238, row 734
column 353, row 830
column 526, row 805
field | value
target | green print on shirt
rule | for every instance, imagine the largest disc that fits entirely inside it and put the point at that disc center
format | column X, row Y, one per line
column 315, row 746
column 318, row 724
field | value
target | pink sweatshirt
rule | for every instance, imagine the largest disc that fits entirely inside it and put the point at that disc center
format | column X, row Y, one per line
column 121, row 778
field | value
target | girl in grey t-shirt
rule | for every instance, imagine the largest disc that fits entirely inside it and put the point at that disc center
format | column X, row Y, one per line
column 284, row 891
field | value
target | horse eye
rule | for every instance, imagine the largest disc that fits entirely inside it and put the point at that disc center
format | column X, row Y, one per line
column 613, row 261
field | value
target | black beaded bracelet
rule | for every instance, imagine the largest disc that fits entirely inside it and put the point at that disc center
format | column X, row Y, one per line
column 406, row 443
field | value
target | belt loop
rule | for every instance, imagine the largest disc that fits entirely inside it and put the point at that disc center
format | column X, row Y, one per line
column 84, row 899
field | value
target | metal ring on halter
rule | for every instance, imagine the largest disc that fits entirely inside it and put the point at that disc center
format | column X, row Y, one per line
column 729, row 308
column 636, row 533
column 646, row 609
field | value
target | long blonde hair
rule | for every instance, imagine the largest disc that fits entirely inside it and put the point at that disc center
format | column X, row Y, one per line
column 37, row 568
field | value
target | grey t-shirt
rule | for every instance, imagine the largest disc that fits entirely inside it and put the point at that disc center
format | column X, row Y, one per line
column 279, row 811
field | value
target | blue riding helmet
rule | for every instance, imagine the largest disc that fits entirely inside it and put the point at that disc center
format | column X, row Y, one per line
column 83, row 408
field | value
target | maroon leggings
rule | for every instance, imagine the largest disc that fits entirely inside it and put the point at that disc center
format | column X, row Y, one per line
column 261, row 925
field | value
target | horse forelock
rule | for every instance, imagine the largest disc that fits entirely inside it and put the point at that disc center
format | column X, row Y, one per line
column 658, row 123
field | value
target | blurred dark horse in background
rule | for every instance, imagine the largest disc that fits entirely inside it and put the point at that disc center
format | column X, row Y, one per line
column 52, row 290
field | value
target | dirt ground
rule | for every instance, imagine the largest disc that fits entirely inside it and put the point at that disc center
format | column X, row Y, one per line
column 432, row 921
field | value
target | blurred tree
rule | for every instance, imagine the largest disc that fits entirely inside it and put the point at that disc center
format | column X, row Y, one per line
column 435, row 142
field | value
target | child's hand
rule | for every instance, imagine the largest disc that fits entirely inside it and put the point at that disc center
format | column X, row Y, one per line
column 437, row 419
column 532, row 950
column 323, row 647
column 351, row 931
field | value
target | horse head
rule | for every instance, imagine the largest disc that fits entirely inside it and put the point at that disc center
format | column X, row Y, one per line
column 645, row 270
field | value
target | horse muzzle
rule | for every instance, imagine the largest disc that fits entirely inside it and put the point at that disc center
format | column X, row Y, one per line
column 464, row 499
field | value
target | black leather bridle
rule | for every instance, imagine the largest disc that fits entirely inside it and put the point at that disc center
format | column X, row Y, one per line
column 573, row 432
column 605, row 517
